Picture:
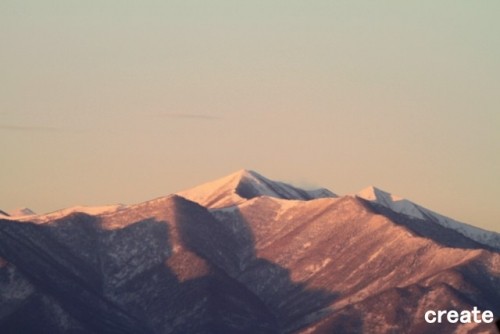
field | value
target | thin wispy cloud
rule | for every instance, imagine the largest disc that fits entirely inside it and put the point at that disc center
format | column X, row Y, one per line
column 27, row 128
column 190, row 116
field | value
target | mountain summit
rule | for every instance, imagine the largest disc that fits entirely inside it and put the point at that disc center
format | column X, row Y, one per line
column 244, row 254
column 247, row 184
column 410, row 209
column 22, row 212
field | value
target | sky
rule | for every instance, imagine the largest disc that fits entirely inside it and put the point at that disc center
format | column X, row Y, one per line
column 106, row 102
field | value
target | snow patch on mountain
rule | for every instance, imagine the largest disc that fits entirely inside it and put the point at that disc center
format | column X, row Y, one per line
column 404, row 206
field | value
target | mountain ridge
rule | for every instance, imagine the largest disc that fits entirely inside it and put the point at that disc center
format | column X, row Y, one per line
column 234, row 264
column 246, row 184
column 411, row 209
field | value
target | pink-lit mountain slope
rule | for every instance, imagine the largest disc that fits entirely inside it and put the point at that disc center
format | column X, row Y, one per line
column 251, row 256
column 245, row 184
column 406, row 207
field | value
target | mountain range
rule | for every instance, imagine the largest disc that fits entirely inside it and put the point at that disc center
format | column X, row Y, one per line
column 245, row 254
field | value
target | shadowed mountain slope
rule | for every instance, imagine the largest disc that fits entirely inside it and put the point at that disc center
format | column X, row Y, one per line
column 156, row 267
column 261, row 257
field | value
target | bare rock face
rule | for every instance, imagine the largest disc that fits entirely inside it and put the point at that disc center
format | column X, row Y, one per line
column 265, row 260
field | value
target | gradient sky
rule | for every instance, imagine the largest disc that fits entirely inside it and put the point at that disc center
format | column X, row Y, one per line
column 122, row 101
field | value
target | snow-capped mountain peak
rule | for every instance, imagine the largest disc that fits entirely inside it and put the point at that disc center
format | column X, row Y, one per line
column 262, row 258
column 21, row 212
column 246, row 184
column 393, row 202
column 404, row 206
column 29, row 215
column 374, row 193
